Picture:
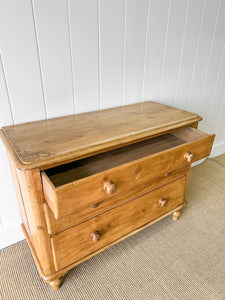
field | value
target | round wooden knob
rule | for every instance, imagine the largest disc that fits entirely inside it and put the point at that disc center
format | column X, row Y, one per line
column 96, row 236
column 162, row 202
column 110, row 187
column 189, row 157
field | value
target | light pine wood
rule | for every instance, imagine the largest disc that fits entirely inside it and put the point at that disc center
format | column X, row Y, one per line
column 56, row 283
column 189, row 157
column 77, row 242
column 88, row 181
column 96, row 236
column 162, row 202
column 31, row 187
column 176, row 215
column 66, row 196
column 111, row 159
column 109, row 187
column 86, row 208
column 114, row 158
column 22, row 208
column 63, row 271
column 88, row 133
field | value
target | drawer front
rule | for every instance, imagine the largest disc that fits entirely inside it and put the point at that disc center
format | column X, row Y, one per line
column 93, row 207
column 91, row 195
column 81, row 240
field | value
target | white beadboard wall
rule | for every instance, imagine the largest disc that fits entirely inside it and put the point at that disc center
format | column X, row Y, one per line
column 60, row 57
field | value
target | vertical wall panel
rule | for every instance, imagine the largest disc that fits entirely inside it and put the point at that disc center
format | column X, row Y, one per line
column 217, row 100
column 111, row 14
column 5, row 119
column 214, row 66
column 51, row 19
column 1, row 226
column 195, row 15
column 5, row 109
column 20, row 60
column 134, row 52
column 157, row 28
column 83, row 16
column 172, row 50
column 10, row 215
column 220, row 130
column 203, row 54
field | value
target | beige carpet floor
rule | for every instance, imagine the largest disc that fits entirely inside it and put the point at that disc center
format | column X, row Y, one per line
column 168, row 260
column 220, row 159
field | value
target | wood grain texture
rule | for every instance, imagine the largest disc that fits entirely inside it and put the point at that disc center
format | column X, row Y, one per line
column 79, row 186
column 31, row 188
column 63, row 271
column 91, row 207
column 19, row 196
column 69, row 138
column 76, row 242
column 24, row 35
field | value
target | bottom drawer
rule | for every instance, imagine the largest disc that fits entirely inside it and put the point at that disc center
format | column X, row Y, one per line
column 81, row 240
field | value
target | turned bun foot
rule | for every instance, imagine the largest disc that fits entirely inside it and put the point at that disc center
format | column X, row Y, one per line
column 176, row 215
column 55, row 284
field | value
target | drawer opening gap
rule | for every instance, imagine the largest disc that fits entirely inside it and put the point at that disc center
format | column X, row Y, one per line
column 86, row 167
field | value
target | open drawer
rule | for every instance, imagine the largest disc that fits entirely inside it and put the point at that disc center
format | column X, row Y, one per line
column 101, row 182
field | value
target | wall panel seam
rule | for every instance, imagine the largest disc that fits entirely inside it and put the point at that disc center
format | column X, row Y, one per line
column 223, row 138
column 71, row 57
column 217, row 79
column 7, row 90
column 220, row 118
column 39, row 60
column 124, row 49
column 99, row 58
column 181, row 53
column 210, row 56
column 196, row 55
column 145, row 51
column 1, row 225
column 164, row 51
column 99, row 53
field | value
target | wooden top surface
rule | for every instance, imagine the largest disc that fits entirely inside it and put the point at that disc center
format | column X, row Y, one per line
column 55, row 141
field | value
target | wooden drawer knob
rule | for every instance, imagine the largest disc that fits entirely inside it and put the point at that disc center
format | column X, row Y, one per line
column 110, row 187
column 162, row 202
column 96, row 236
column 189, row 157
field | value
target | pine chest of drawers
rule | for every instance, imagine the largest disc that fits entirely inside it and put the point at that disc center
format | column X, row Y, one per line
column 85, row 182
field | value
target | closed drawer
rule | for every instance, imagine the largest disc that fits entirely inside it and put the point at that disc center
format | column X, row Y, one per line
column 83, row 187
column 78, row 242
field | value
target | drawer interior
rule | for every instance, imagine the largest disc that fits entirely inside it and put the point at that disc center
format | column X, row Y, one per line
column 92, row 165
